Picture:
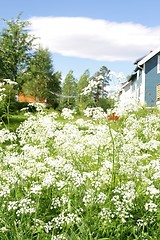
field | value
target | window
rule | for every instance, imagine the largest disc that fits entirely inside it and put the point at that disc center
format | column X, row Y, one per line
column 158, row 64
column 158, row 92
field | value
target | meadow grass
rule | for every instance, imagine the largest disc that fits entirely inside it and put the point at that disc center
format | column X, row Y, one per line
column 14, row 121
column 88, row 178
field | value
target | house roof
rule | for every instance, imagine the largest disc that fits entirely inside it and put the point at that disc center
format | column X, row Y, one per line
column 125, row 84
column 139, row 62
column 132, row 75
column 148, row 56
column 129, row 80
column 139, row 59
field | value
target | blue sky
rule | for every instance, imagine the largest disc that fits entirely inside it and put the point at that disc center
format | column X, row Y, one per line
column 88, row 34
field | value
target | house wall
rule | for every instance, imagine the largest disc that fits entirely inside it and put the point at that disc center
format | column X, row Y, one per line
column 126, row 93
column 142, row 89
column 23, row 98
column 133, row 88
column 152, row 79
column 136, row 86
column 28, row 99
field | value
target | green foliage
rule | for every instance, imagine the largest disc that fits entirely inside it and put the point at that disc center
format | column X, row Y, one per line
column 92, row 90
column 54, row 90
column 86, row 178
column 8, row 100
column 105, row 103
column 102, row 78
column 15, row 50
column 84, row 101
column 33, row 71
column 14, row 121
column 40, row 80
column 69, row 91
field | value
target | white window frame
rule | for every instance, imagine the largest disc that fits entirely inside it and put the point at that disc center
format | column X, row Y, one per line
column 158, row 64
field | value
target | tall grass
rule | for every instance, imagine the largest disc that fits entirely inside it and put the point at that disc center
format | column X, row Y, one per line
column 81, row 179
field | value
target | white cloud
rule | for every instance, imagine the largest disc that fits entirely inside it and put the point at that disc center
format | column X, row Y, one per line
column 94, row 38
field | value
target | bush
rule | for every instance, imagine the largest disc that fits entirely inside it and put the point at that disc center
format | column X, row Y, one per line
column 8, row 99
column 105, row 103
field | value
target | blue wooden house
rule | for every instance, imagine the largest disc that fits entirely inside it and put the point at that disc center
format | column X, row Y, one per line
column 144, row 83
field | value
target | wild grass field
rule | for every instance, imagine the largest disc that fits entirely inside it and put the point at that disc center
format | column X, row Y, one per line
column 88, row 178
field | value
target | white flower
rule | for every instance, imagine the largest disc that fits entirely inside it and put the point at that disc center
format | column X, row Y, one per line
column 10, row 82
column 4, row 229
column 67, row 113
column 95, row 113
column 36, row 189
column 101, row 198
column 151, row 206
column 6, row 135
column 152, row 190
column 141, row 223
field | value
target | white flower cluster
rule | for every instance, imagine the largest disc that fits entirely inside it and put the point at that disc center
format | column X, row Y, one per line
column 64, row 219
column 22, row 207
column 6, row 135
column 59, row 237
column 67, row 113
column 95, row 113
column 92, row 84
column 123, row 200
column 121, row 108
column 58, row 202
column 106, row 215
column 38, row 106
column 37, row 129
column 151, row 206
column 62, row 175
column 2, row 94
column 9, row 81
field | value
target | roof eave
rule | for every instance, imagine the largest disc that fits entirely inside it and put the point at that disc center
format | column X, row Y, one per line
column 149, row 56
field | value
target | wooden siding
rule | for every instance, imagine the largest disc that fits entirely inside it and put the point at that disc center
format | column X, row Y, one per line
column 29, row 99
column 152, row 79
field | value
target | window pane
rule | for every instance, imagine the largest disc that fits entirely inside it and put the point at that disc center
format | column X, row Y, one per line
column 158, row 92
